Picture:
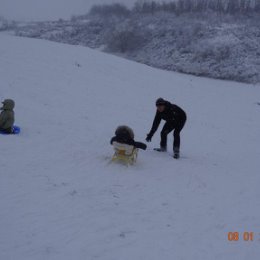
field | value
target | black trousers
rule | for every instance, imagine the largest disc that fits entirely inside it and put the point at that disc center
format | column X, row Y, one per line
column 167, row 128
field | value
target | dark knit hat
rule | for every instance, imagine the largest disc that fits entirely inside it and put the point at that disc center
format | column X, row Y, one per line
column 160, row 101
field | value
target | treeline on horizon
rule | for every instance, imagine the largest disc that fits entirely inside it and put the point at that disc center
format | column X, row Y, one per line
column 178, row 7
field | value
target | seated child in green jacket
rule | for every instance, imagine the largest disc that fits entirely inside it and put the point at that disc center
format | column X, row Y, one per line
column 7, row 116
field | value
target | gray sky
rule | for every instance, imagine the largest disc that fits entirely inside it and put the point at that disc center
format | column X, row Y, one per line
column 49, row 9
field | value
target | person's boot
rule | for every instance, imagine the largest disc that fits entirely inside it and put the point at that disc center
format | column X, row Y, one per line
column 161, row 149
column 176, row 153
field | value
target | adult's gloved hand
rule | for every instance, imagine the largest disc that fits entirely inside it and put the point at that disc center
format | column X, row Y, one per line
column 148, row 138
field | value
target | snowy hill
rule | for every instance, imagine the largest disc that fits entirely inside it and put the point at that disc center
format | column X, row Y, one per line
column 60, row 197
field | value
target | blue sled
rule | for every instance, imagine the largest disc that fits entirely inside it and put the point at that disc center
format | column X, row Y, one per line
column 16, row 130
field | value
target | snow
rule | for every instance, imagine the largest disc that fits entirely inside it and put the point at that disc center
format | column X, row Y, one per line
column 61, row 198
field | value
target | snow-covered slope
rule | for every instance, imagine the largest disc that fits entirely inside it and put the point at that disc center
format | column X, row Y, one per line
column 60, row 198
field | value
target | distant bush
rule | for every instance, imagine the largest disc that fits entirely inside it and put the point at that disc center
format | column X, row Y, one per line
column 7, row 25
column 3, row 24
column 124, row 41
column 211, row 51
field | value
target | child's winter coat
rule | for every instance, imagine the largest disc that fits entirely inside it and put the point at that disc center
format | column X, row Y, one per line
column 7, row 114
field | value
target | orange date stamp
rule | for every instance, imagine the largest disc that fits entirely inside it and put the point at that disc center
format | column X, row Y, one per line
column 244, row 236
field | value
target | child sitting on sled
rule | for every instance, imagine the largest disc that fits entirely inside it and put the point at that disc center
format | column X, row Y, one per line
column 126, row 148
column 7, row 116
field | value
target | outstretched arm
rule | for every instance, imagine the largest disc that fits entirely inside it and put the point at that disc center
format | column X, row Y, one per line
column 112, row 140
column 156, row 123
column 140, row 145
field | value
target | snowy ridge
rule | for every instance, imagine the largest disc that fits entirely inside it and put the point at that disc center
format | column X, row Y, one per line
column 61, row 198
column 206, row 44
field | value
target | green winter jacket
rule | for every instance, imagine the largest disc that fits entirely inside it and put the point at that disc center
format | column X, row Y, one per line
column 7, row 115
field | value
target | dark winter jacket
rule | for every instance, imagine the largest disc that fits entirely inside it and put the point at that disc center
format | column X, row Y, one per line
column 172, row 114
column 126, row 139
column 7, row 115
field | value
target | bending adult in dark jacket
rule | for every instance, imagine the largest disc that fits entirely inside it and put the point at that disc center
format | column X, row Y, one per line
column 125, row 135
column 7, row 116
column 175, row 119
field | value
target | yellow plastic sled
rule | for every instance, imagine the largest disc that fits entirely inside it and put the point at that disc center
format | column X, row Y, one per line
column 124, row 153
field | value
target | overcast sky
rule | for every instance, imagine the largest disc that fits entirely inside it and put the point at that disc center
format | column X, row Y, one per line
column 48, row 9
